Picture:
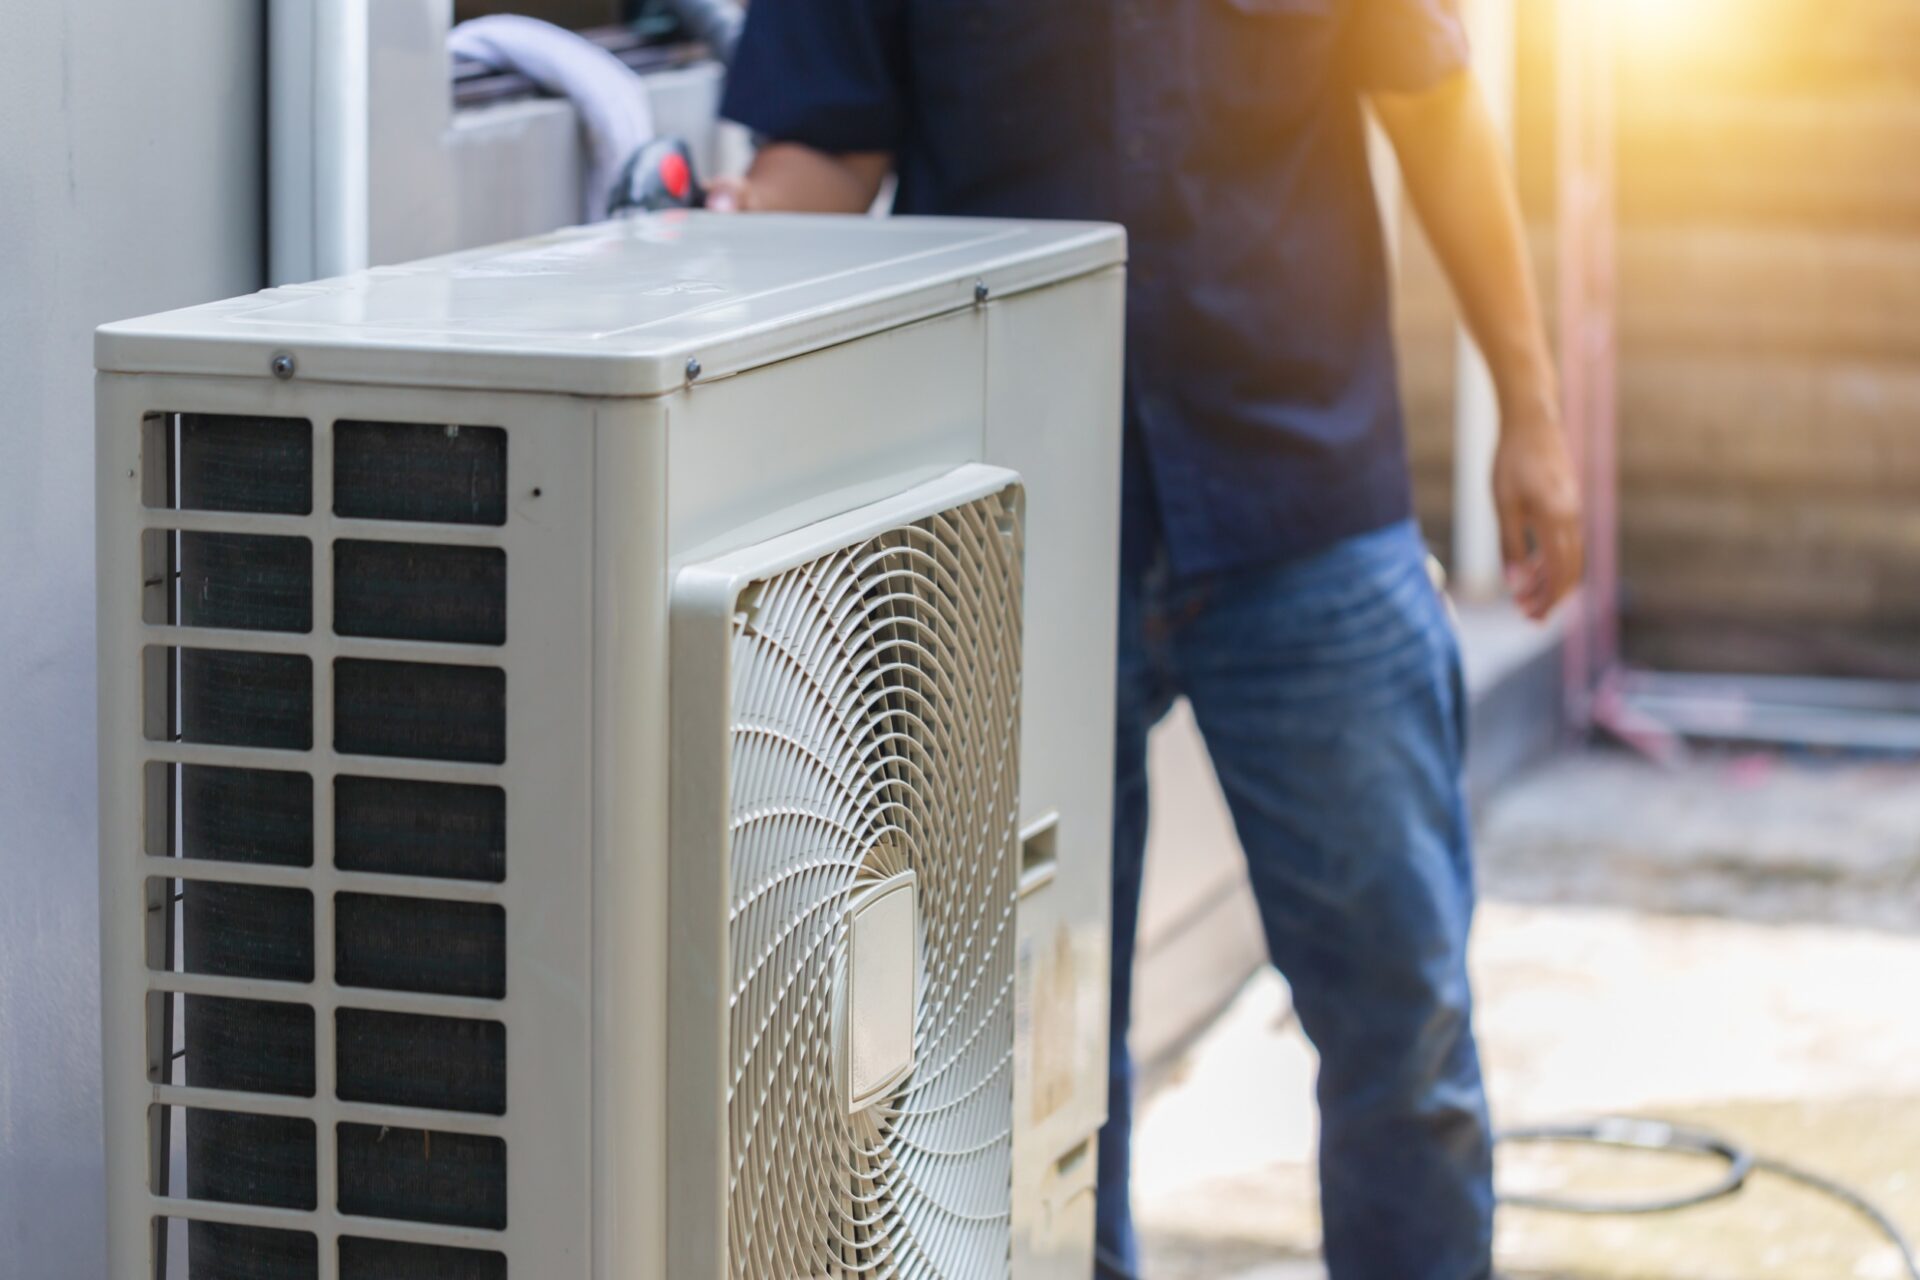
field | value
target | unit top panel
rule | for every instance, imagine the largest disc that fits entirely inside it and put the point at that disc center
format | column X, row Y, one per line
column 617, row 308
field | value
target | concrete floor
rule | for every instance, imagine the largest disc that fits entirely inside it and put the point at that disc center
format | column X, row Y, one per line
column 1734, row 944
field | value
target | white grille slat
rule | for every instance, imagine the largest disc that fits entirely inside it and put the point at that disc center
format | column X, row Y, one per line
column 224, row 871
column 323, row 761
column 247, row 1215
column 353, row 1224
column 326, row 997
column 241, row 1215
column 190, row 520
column 165, row 635
column 176, row 752
column 274, row 1104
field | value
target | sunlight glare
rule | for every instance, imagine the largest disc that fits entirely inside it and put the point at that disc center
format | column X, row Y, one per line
column 1669, row 26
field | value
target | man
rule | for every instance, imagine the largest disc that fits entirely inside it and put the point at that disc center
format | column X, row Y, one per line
column 1270, row 570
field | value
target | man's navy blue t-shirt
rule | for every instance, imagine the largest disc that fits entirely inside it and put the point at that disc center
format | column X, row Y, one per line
column 1263, row 414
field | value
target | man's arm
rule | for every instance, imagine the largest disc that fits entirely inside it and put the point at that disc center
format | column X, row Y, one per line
column 1456, row 175
column 787, row 177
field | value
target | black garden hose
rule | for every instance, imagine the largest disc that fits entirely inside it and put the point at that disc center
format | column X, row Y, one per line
column 1626, row 1133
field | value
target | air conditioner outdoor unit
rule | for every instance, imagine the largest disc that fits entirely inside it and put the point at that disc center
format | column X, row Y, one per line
column 605, row 759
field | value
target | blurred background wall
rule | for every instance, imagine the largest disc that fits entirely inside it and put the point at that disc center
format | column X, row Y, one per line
column 1769, row 275
column 130, row 181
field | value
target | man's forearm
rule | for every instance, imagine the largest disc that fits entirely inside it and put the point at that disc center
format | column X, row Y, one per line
column 789, row 178
column 1457, row 177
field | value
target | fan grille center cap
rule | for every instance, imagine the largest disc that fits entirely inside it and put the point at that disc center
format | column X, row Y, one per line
column 874, row 1032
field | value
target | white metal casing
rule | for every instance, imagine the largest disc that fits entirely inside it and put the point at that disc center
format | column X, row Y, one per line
column 841, row 362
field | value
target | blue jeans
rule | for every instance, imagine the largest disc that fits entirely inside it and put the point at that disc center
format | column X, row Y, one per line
column 1328, row 691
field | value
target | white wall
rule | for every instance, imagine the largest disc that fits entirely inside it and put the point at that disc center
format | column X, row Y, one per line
column 131, row 138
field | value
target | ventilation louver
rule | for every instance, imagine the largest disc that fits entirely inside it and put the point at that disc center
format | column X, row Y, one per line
column 259, row 932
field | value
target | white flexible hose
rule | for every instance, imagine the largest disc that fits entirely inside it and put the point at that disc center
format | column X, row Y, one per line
column 612, row 101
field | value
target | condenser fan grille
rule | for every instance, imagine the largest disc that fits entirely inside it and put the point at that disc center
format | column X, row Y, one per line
column 874, row 733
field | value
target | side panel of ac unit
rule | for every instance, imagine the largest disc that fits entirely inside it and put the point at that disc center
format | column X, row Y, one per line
column 346, row 725
column 1053, row 415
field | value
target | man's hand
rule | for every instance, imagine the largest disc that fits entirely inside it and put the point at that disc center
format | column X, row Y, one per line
column 730, row 195
column 789, row 178
column 1539, row 506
